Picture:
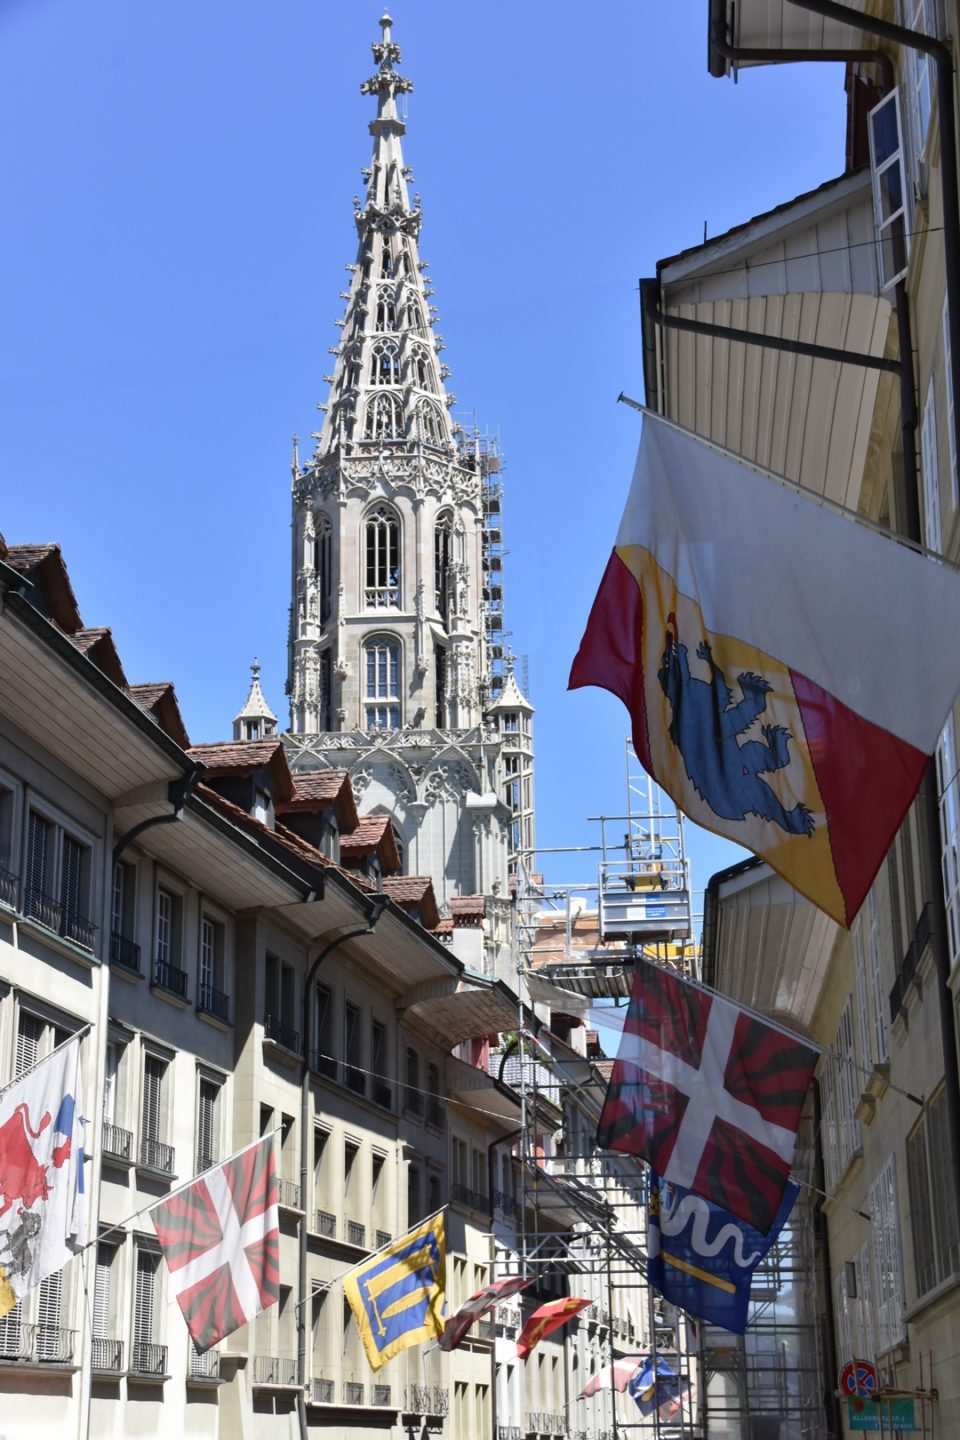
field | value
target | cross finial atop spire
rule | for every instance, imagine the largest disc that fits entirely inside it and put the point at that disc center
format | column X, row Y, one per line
column 386, row 84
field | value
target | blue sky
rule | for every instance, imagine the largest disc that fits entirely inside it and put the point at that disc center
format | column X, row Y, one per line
column 177, row 180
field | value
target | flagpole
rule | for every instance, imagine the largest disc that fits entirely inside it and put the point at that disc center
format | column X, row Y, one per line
column 145, row 1209
column 780, row 479
column 74, row 1035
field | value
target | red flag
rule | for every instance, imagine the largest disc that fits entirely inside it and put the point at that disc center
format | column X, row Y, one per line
column 220, row 1238
column 458, row 1325
column 709, row 1095
column 542, row 1322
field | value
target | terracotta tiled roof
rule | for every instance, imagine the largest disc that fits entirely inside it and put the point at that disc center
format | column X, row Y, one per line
column 411, row 892
column 604, row 1069
column 323, row 789
column 443, row 927
column 43, row 564
column 372, row 833
column 159, row 699
column 97, row 644
column 467, row 909
column 316, row 785
column 242, row 757
column 280, row 838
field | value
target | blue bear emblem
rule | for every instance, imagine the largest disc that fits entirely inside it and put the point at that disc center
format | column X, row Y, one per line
column 705, row 728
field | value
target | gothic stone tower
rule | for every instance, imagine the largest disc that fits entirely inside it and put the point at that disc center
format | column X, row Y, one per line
column 395, row 654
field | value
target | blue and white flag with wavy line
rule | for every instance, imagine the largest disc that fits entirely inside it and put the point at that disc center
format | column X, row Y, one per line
column 701, row 1258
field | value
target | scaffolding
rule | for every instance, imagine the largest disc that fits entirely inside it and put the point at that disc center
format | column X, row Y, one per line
column 582, row 1213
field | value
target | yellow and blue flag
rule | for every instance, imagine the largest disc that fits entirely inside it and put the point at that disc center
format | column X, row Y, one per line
column 701, row 1258
column 397, row 1296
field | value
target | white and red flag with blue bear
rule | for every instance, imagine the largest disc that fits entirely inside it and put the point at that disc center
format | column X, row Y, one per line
column 710, row 1095
column 787, row 670
column 220, row 1237
column 42, row 1212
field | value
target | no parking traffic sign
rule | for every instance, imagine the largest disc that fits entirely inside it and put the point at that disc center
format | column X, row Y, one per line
column 859, row 1377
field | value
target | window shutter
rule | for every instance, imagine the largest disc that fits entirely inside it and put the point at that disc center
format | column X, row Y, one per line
column 48, row 1316
column 153, row 1072
column 29, row 1035
column 206, row 1124
column 38, row 849
column 144, row 1298
column 885, row 1222
column 101, row 1293
column 71, row 869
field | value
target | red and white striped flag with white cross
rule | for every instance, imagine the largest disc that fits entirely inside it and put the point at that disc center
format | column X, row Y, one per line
column 708, row 1094
column 458, row 1325
column 220, row 1238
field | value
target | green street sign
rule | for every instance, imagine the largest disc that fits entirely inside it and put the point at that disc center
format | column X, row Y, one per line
column 898, row 1415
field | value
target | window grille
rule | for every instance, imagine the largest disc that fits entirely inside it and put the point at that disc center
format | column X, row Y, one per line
column 933, row 1203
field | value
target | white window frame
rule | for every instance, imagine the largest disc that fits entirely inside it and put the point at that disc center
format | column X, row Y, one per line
column 919, row 15
column 382, row 683
column 847, row 1086
column 930, row 471
column 875, row 960
column 948, row 788
column 951, row 431
column 866, row 1337
column 892, row 227
column 887, row 1257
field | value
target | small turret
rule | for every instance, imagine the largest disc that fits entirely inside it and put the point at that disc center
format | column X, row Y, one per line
column 256, row 720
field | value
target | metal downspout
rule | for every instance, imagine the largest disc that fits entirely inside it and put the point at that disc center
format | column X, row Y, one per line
column 832, row 1413
column 378, row 904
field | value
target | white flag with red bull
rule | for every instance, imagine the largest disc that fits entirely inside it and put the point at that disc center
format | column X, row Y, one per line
column 42, row 1223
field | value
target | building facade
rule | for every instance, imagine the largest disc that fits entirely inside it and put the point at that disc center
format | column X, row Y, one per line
column 816, row 340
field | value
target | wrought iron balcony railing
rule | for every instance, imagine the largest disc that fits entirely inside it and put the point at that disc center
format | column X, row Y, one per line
column 436, row 1115
column 356, row 1079
column 26, row 1342
column 116, row 1142
column 289, row 1194
column 465, row 1196
column 274, row 1370
column 356, row 1233
column 325, row 1223
column 214, row 1002
column 8, row 888
column 281, row 1034
column 382, row 1094
column 381, row 1394
column 169, row 977
column 125, row 953
column 106, row 1356
column 425, row 1400
column 205, row 1366
column 148, row 1359
column 383, row 1238
column 154, row 1155
column 323, row 1391
column 58, row 917
column 323, row 1064
column 412, row 1101
column 353, row 1392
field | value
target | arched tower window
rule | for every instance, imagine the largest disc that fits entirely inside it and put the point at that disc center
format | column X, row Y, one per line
column 384, row 418
column 386, row 259
column 323, row 563
column 385, row 363
column 440, row 676
column 429, row 423
column 442, row 557
column 381, row 669
column 421, row 370
column 415, row 315
column 386, row 309
column 382, row 559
